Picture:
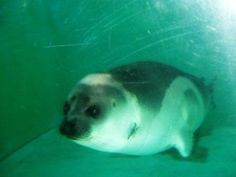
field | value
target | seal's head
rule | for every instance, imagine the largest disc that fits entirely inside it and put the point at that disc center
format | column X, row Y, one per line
column 99, row 113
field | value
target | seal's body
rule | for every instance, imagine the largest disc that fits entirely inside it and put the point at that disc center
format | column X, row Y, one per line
column 138, row 109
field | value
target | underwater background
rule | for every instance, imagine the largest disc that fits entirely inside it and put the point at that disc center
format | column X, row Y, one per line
column 47, row 46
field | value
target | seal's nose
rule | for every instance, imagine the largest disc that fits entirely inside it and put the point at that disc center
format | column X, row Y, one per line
column 69, row 128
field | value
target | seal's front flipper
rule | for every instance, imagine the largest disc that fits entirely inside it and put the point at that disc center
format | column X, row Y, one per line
column 183, row 142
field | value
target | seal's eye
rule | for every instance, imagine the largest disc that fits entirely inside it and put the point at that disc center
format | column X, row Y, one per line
column 66, row 108
column 93, row 111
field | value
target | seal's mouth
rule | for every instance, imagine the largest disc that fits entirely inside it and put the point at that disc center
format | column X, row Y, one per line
column 71, row 137
column 68, row 129
column 72, row 132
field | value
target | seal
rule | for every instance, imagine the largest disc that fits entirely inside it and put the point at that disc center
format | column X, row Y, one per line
column 138, row 109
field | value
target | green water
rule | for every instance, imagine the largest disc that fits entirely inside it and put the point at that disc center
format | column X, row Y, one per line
column 47, row 46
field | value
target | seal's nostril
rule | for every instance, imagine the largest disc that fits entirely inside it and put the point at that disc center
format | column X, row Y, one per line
column 74, row 128
column 63, row 129
column 66, row 108
column 68, row 128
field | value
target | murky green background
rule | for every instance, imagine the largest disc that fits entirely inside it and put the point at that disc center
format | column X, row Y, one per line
column 46, row 46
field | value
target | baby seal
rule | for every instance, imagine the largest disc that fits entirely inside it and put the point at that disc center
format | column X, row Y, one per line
column 138, row 109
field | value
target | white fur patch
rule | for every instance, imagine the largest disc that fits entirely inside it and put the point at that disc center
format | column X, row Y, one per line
column 96, row 79
column 100, row 79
